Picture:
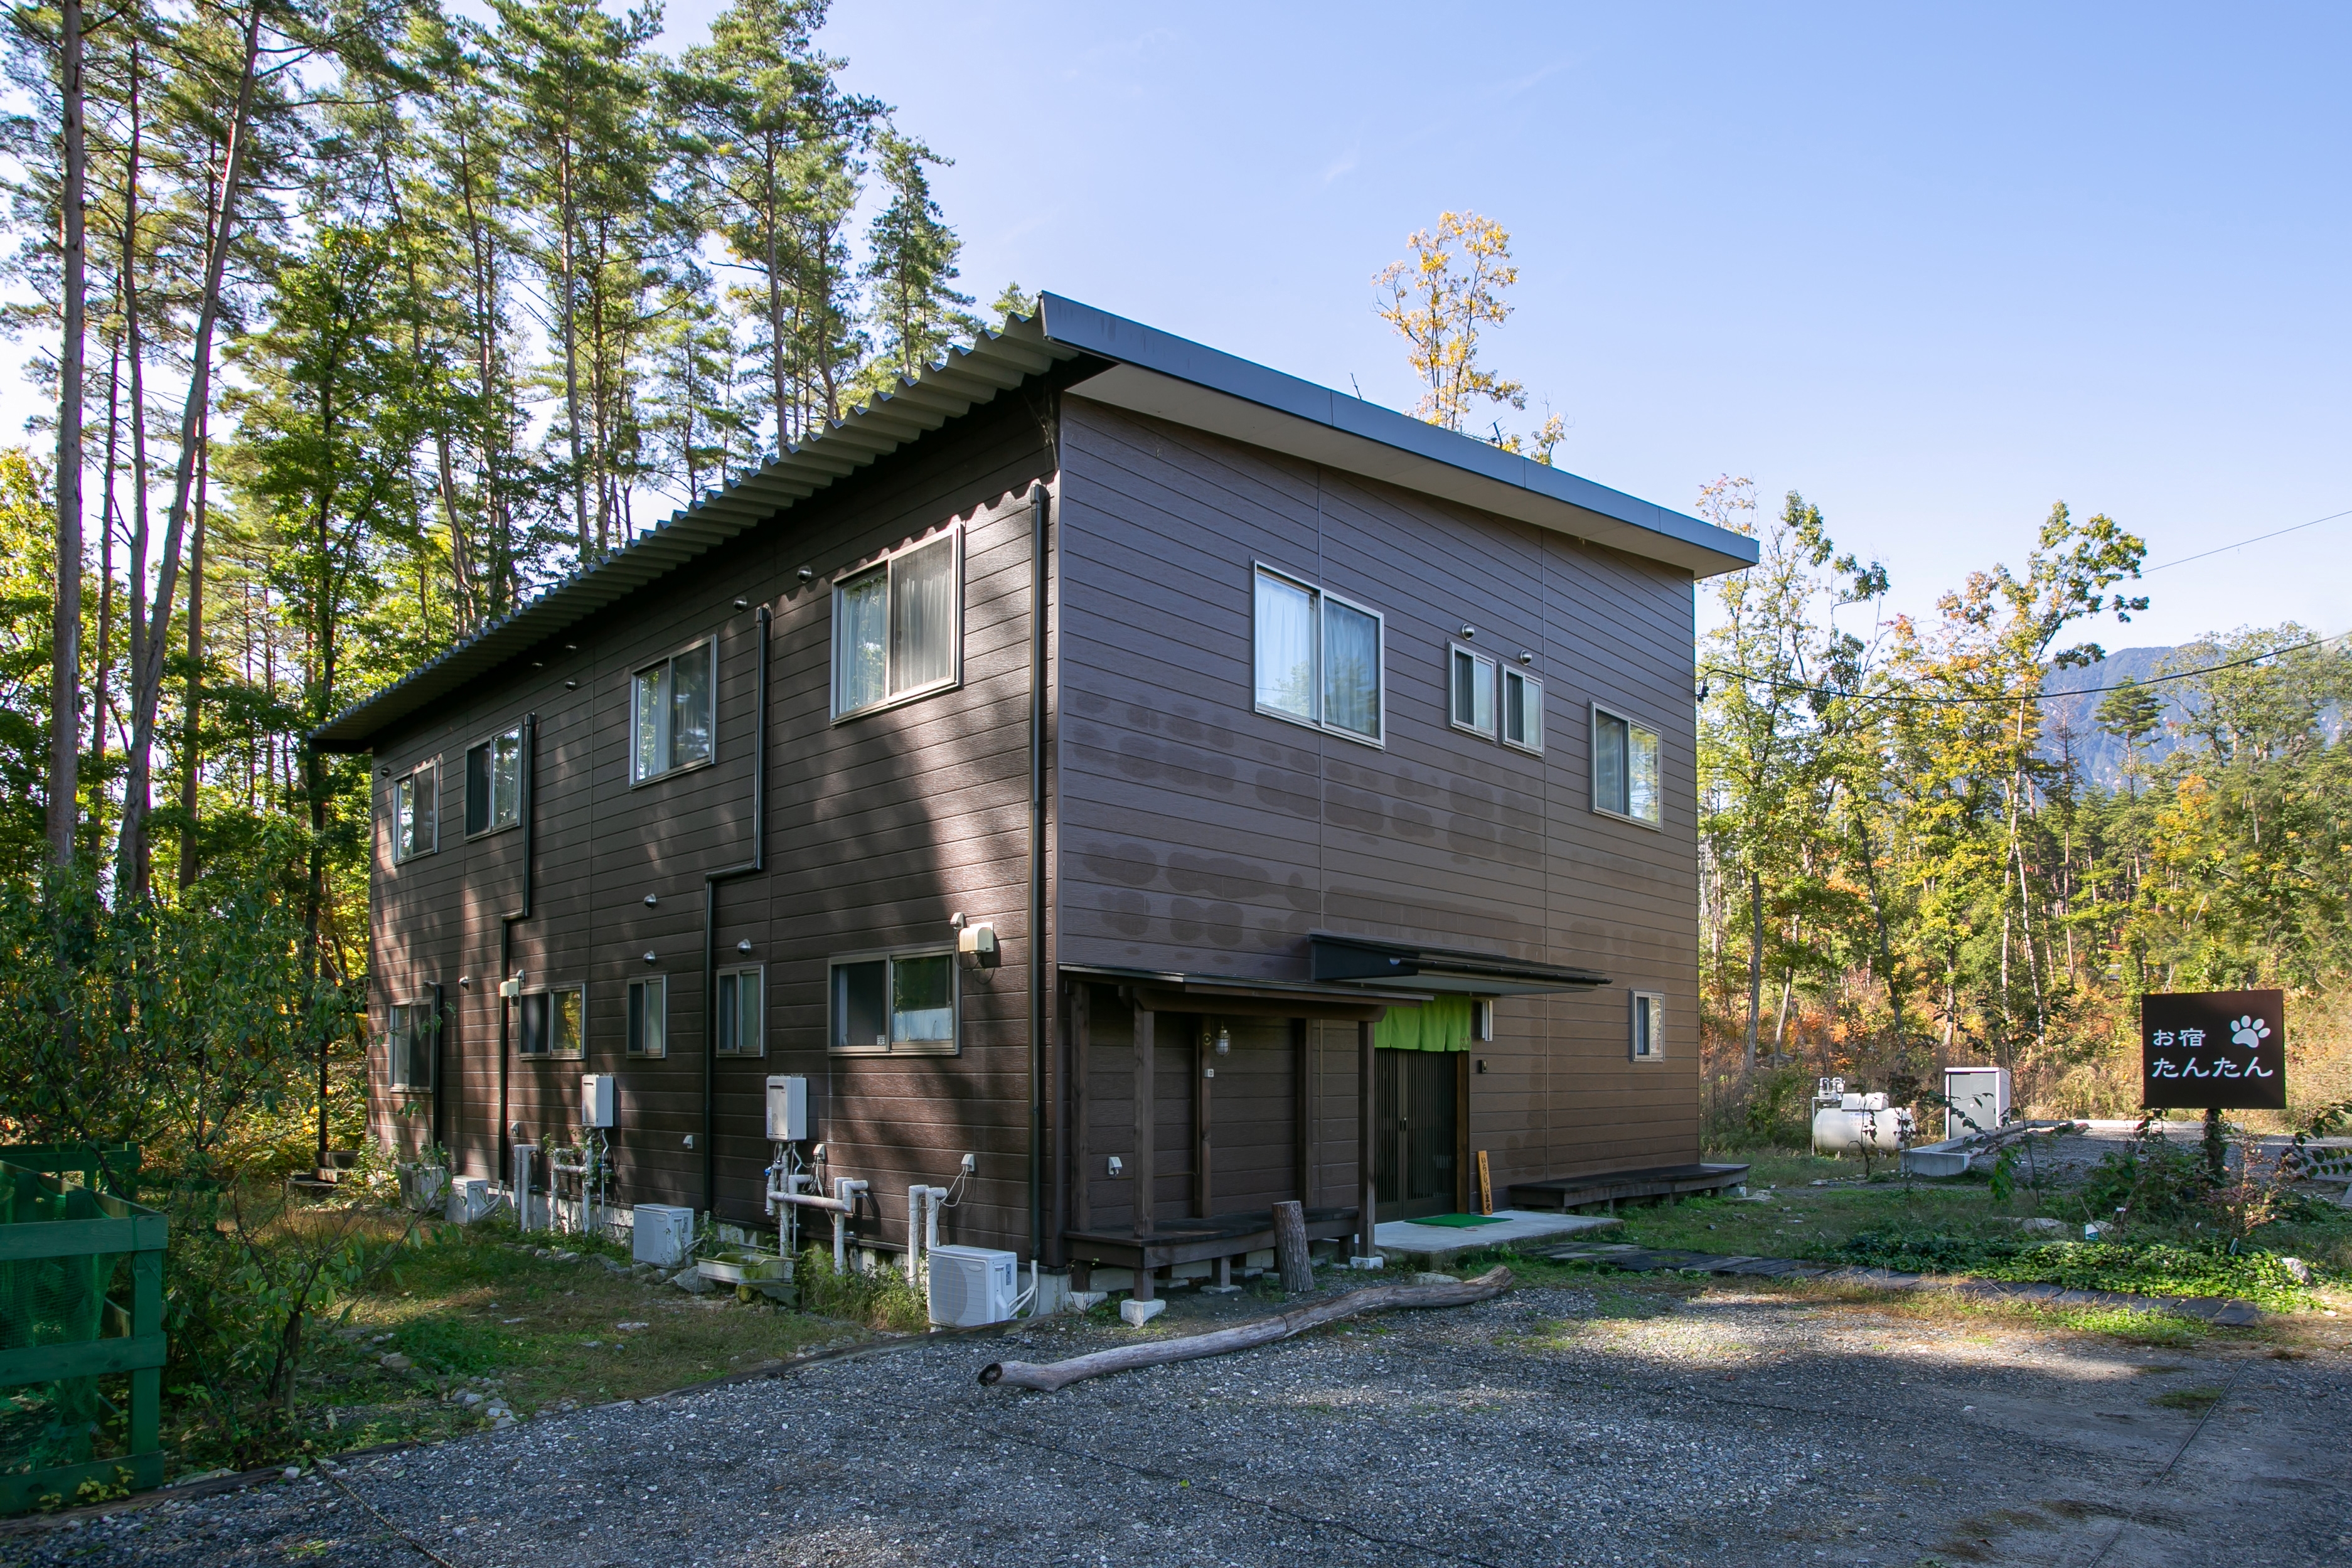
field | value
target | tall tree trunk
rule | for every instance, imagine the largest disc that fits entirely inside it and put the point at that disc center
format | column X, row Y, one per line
column 147, row 689
column 1755, row 964
column 132, row 880
column 192, row 730
column 65, row 634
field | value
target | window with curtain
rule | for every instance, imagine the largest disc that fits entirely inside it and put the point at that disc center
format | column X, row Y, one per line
column 897, row 627
column 416, row 813
column 673, row 713
column 1317, row 658
column 1625, row 768
column 494, row 782
column 895, row 1002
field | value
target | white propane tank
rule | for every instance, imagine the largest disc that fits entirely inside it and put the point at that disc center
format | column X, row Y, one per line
column 1853, row 1119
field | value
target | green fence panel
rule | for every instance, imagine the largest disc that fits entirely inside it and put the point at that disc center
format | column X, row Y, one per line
column 71, row 1250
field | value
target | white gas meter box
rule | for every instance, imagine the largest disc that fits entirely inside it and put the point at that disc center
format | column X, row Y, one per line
column 663, row 1235
column 596, row 1100
column 787, row 1109
column 1978, row 1100
column 972, row 1285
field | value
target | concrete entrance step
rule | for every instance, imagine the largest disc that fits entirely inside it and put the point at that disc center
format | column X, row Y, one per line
column 1407, row 1242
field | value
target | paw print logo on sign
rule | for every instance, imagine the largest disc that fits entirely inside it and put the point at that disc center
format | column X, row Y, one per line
column 2249, row 1032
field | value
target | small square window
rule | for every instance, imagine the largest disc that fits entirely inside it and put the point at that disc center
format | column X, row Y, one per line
column 895, row 1002
column 1318, row 659
column 1625, row 768
column 1471, row 689
column 416, row 813
column 1649, row 1039
column 493, row 783
column 551, row 1022
column 897, row 627
column 673, row 713
column 649, row 1016
column 1522, row 710
column 740, row 1013
column 409, row 1031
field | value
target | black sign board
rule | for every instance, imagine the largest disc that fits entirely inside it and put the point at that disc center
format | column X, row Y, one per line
column 2213, row 1049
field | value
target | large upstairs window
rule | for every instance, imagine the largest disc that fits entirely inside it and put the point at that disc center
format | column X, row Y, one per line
column 673, row 713
column 1625, row 768
column 1318, row 658
column 494, row 782
column 416, row 813
column 897, row 627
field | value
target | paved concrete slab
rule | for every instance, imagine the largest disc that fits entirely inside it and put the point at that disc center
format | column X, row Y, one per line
column 1407, row 1241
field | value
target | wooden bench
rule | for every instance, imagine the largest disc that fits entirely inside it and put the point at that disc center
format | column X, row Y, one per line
column 1219, row 1238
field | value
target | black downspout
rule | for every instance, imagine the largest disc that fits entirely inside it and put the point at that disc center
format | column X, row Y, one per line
column 439, row 1023
column 507, row 923
column 1036, row 873
column 710, row 880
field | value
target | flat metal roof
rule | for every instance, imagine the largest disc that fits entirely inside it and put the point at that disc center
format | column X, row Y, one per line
column 1145, row 371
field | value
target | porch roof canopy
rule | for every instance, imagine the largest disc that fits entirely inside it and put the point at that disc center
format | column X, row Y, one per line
column 1166, row 991
column 1372, row 962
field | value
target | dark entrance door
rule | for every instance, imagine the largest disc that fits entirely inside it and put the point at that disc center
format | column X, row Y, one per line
column 1414, row 1113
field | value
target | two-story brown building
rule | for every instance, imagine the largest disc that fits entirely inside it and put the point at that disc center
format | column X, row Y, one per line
column 1325, row 779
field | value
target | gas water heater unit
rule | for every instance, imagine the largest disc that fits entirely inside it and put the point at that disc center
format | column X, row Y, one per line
column 787, row 1109
column 596, row 1100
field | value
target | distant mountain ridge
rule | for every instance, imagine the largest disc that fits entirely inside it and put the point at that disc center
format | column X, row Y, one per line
column 2070, row 724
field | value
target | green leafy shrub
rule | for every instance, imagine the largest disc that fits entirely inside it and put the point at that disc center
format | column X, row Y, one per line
column 2157, row 1269
column 880, row 1298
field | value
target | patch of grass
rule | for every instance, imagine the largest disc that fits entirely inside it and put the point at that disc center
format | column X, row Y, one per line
column 2196, row 1399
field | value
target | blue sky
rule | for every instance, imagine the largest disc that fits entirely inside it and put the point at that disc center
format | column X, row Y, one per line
column 1936, row 269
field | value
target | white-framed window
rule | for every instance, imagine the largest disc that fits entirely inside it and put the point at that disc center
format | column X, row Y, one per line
column 898, row 627
column 649, row 1016
column 416, row 812
column 674, row 712
column 1625, row 768
column 742, row 1018
column 409, row 1030
column 1470, row 690
column 902, row 1003
column 1649, row 1026
column 1523, row 705
column 494, row 782
column 1318, row 658
column 552, row 1021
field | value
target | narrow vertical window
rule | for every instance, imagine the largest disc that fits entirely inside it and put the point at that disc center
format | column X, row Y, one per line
column 1317, row 659
column 740, row 1015
column 649, row 1016
column 409, row 1028
column 1625, row 768
column 417, row 813
column 858, row 1002
column 1522, row 710
column 1472, row 707
column 1649, row 1036
column 897, row 627
column 673, row 713
column 494, row 782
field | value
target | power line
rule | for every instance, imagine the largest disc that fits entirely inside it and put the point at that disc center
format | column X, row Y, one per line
column 2038, row 696
column 2224, row 549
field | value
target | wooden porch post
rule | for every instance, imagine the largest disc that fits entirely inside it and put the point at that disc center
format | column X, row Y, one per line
column 1147, row 1129
column 1302, row 1056
column 1204, row 1062
column 1368, row 1192
column 1082, row 1165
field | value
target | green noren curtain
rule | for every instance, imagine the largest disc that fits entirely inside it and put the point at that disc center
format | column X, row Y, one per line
column 1442, row 1023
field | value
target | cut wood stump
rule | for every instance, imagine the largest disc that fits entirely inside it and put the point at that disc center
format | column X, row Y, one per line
column 1047, row 1377
column 1290, row 1246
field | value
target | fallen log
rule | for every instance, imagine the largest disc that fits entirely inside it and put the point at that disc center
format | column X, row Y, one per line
column 1047, row 1377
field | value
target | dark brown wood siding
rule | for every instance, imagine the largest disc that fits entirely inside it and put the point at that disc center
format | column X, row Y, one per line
column 880, row 827
column 1198, row 835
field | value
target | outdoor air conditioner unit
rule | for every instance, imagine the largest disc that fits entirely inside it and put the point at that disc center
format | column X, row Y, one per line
column 470, row 1198
column 972, row 1285
column 663, row 1235
column 1978, row 1100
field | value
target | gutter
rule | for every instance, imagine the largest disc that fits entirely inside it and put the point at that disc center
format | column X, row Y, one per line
column 507, row 923
column 1036, row 873
column 710, row 880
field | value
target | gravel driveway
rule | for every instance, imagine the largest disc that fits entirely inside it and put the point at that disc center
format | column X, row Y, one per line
column 1600, row 1423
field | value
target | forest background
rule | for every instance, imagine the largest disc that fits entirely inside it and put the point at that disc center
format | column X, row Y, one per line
column 364, row 322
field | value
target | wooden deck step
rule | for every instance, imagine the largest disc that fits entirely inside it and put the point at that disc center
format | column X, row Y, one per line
column 1564, row 1192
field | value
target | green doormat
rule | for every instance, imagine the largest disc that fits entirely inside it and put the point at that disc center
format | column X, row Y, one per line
column 1459, row 1221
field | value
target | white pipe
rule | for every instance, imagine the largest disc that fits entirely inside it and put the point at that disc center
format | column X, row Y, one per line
column 844, row 1189
column 914, row 1207
column 938, row 1197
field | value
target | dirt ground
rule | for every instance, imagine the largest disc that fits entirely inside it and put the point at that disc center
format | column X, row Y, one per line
column 1582, row 1421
